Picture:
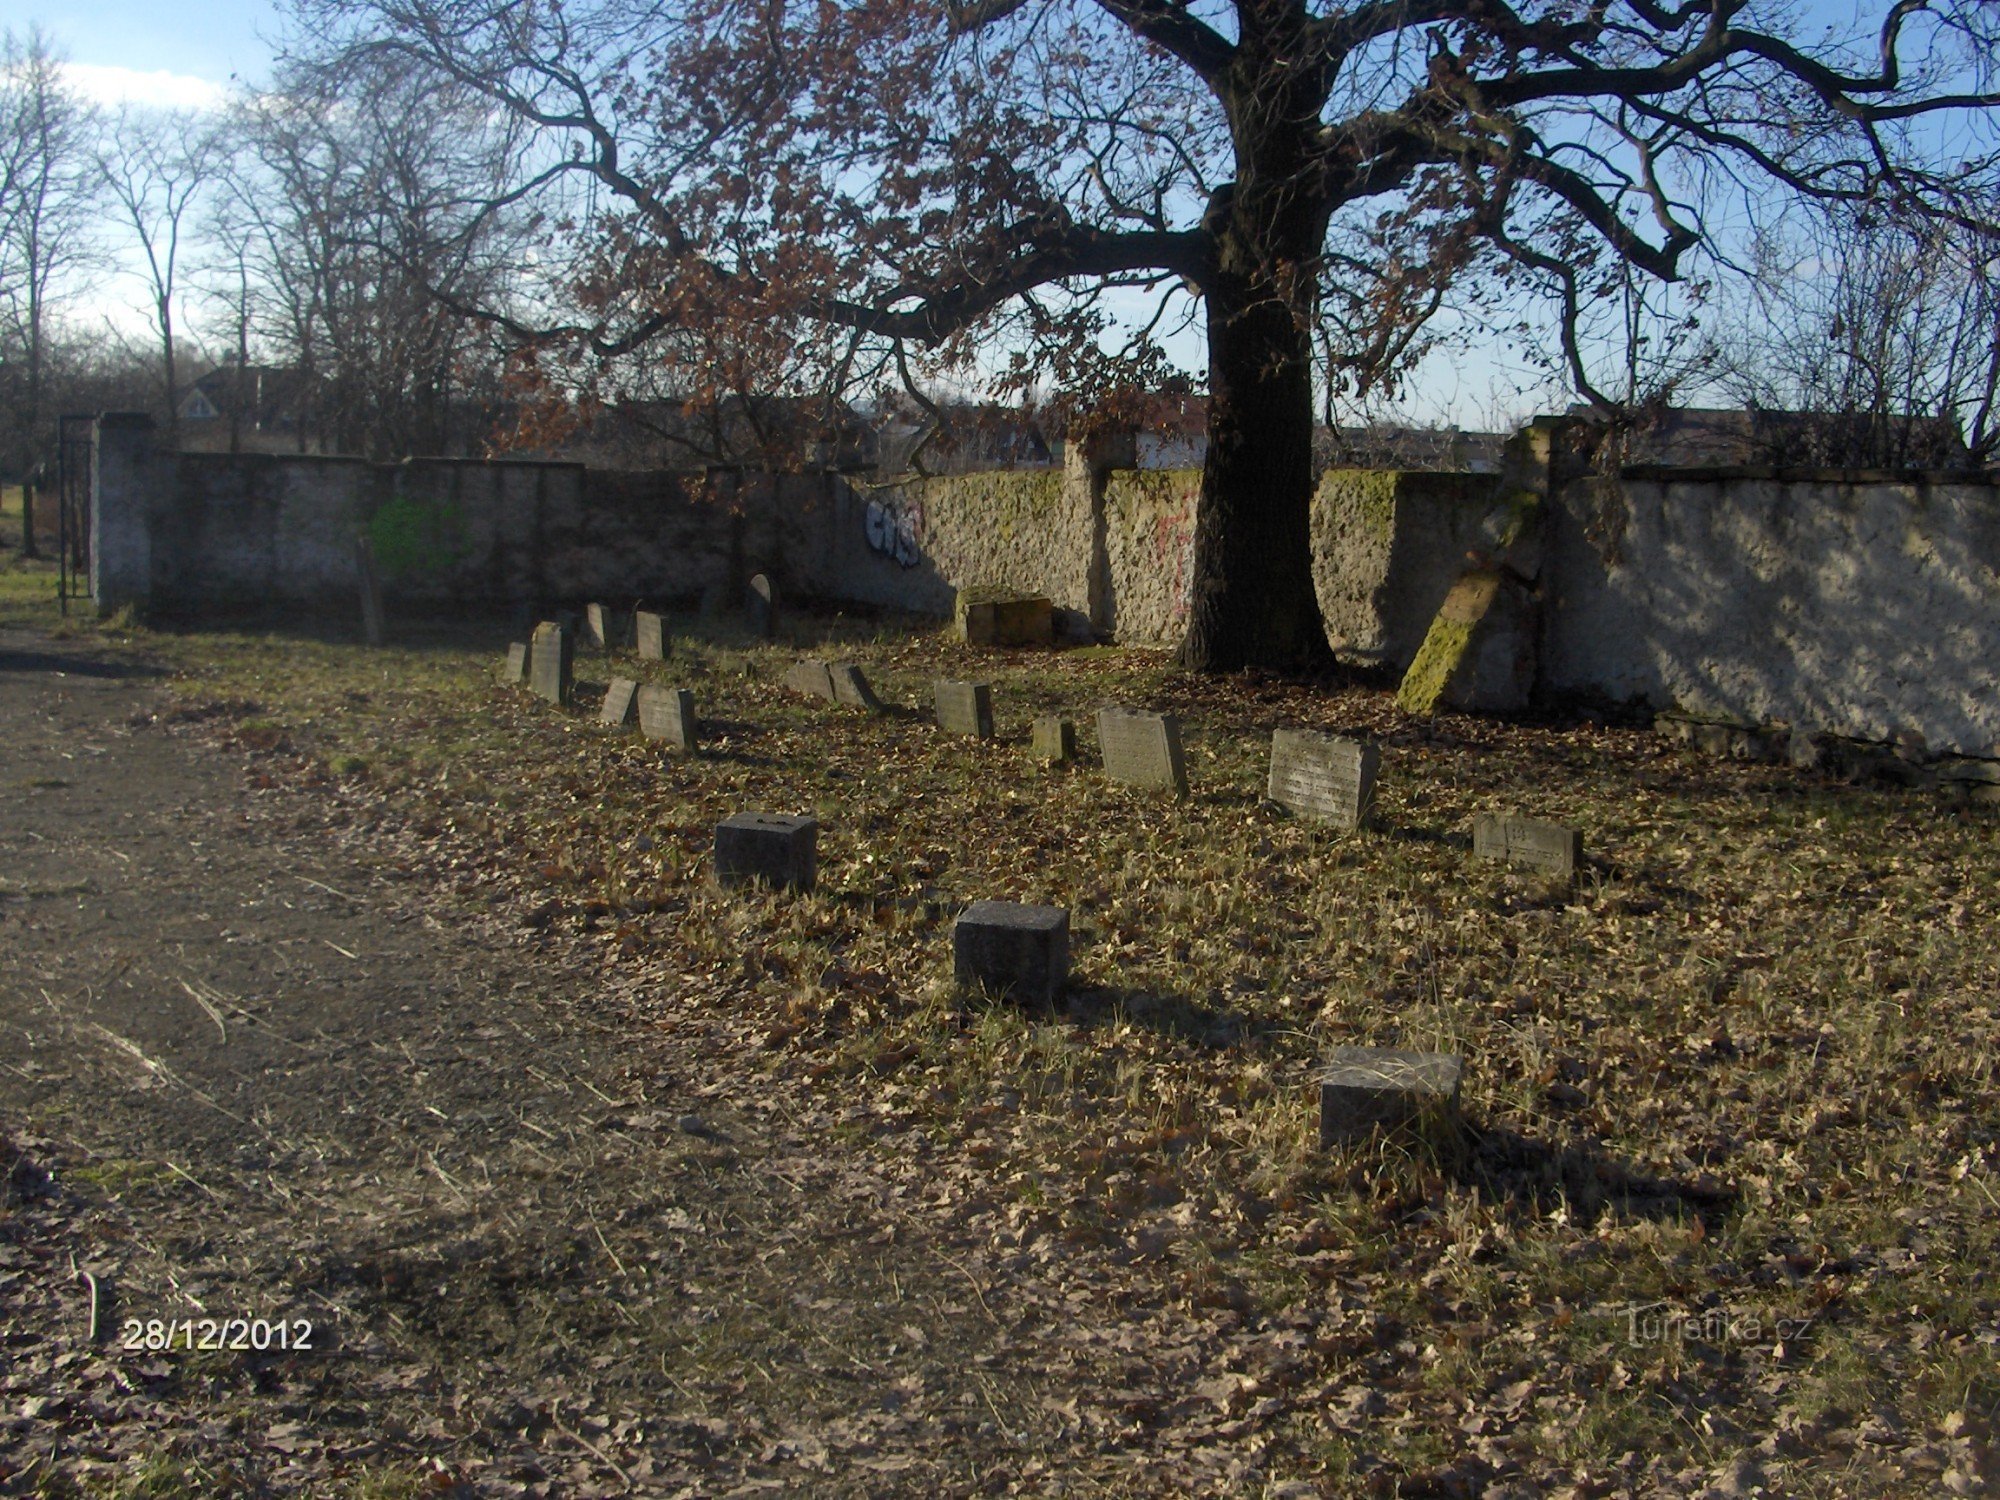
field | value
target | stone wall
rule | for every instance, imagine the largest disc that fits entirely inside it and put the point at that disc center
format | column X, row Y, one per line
column 1860, row 605
column 1149, row 553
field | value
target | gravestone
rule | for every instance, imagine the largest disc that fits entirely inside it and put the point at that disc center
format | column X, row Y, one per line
column 1011, row 949
column 516, row 670
column 771, row 848
column 619, row 703
column 668, row 714
column 850, row 686
column 1323, row 776
column 811, row 676
column 994, row 617
column 1366, row 1089
column 651, row 631
column 371, row 589
column 760, row 605
column 1054, row 740
column 552, row 662
column 737, row 664
column 600, row 626
column 1548, row 848
column 964, row 707
column 1142, row 749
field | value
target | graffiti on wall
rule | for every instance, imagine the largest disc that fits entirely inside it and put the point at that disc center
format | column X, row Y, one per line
column 895, row 528
column 1173, row 555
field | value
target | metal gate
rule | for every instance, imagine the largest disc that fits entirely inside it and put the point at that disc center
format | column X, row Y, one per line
column 75, row 464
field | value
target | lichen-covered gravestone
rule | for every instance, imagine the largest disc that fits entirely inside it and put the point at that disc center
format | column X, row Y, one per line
column 1054, row 740
column 1011, row 949
column 760, row 604
column 1548, row 848
column 619, row 703
column 811, row 676
column 651, row 631
column 552, row 662
column 964, row 707
column 668, row 714
column 516, row 669
column 1323, row 776
column 851, row 687
column 1142, row 749
column 1366, row 1089
column 767, row 848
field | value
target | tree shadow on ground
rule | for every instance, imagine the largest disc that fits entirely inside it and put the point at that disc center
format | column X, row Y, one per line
column 63, row 665
column 1179, row 1016
column 1580, row 1179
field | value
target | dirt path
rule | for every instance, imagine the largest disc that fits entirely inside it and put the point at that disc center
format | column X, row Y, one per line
column 553, row 1234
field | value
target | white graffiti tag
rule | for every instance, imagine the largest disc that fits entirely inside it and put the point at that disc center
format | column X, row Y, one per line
column 895, row 530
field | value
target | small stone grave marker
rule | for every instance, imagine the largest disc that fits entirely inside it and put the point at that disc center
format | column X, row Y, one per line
column 1012, row 949
column 668, row 714
column 850, row 686
column 811, row 676
column 991, row 617
column 771, row 848
column 516, row 670
column 1366, row 1089
column 619, row 703
column 600, row 626
column 552, row 662
column 1549, row 848
column 760, row 605
column 1142, row 749
column 1054, row 740
column 1323, row 776
column 964, row 707
column 651, row 631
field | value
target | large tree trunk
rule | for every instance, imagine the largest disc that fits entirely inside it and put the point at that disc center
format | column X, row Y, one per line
column 1252, row 600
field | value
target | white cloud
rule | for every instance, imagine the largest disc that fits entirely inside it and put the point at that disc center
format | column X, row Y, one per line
column 107, row 85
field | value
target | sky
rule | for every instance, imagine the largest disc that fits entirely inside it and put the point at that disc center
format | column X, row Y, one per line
column 149, row 51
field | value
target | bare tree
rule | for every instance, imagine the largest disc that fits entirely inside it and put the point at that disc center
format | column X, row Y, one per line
column 896, row 184
column 155, row 167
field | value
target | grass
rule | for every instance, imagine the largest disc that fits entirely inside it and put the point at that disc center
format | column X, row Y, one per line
column 1749, row 1064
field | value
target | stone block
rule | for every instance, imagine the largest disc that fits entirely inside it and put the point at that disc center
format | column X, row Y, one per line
column 668, row 714
column 516, row 670
column 1054, row 740
column 986, row 618
column 760, row 606
column 552, row 662
column 812, row 677
column 1323, row 776
column 964, row 707
column 767, row 848
column 1479, row 654
column 1548, row 848
column 1369, row 1089
column 650, row 633
column 620, row 703
column 851, row 687
column 1142, row 749
column 1011, row 949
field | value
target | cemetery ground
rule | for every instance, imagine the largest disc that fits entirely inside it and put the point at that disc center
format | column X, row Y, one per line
column 351, row 986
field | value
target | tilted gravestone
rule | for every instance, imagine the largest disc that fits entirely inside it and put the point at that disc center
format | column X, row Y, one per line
column 770, row 848
column 516, row 670
column 1549, row 848
column 603, row 628
column 620, row 701
column 1054, row 740
column 1366, row 1089
column 1142, row 749
column 851, row 687
column 964, row 707
column 1011, row 949
column 1323, row 776
column 668, row 714
column 651, row 631
column 811, row 676
column 552, row 662
column 760, row 605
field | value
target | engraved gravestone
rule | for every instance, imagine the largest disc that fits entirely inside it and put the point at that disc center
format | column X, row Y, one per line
column 1142, row 749
column 651, row 631
column 1054, row 740
column 619, row 703
column 1011, row 949
column 1548, row 848
column 552, row 662
column 761, row 605
column 771, row 848
column 1323, row 776
column 668, row 714
column 964, row 707
column 810, row 676
column 1366, row 1089
column 851, row 687
column 516, row 670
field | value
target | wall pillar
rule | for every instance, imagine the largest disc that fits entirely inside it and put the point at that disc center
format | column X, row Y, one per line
column 123, row 479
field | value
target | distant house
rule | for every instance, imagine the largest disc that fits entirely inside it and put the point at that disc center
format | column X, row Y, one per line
column 1711, row 437
column 960, row 438
column 261, row 408
column 1389, row 445
column 758, row 432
